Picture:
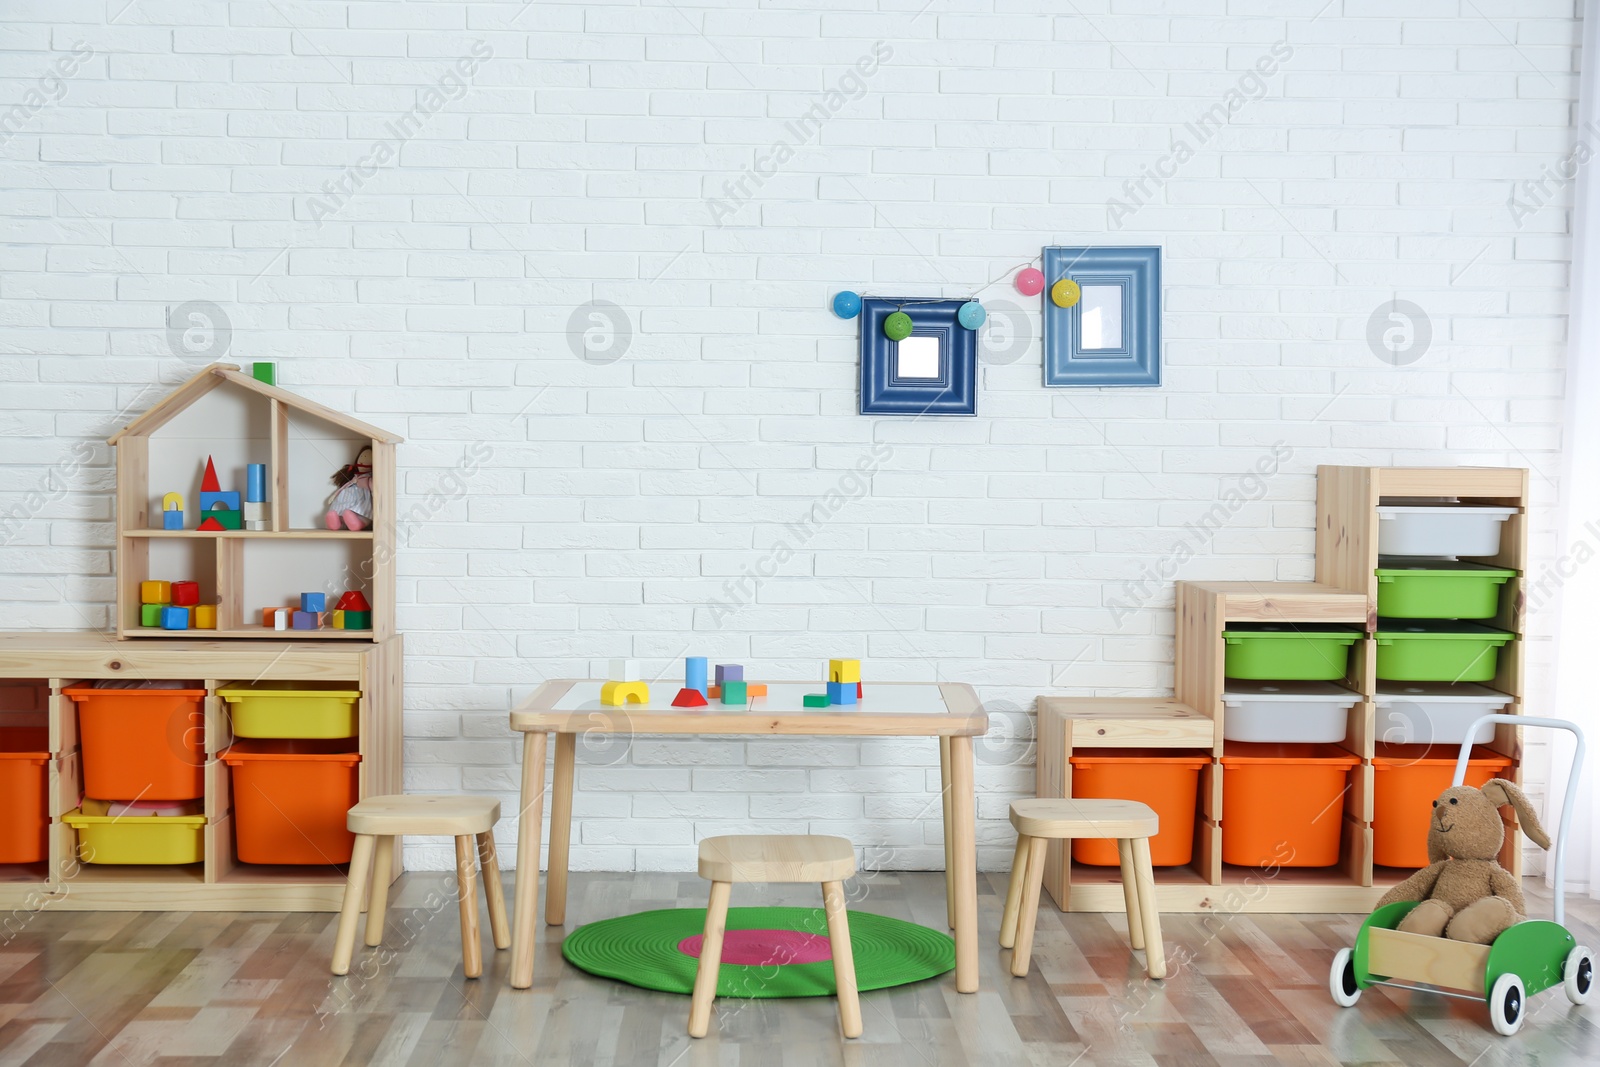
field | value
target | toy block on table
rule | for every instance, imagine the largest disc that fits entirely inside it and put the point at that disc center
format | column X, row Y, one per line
column 755, row 689
column 186, row 594
column 255, row 484
column 150, row 614
column 616, row 694
column 729, row 672
column 841, row 693
column 258, row 524
column 256, row 511
column 734, row 693
column 623, row 670
column 172, row 520
column 205, row 616
column 689, row 698
column 858, row 690
column 337, row 617
column 304, row 620
column 154, row 592
column 694, row 674
column 313, row 602
column 844, row 670
column 210, row 523
column 224, row 518
column 174, row 618
column 280, row 620
column 815, row 700
column 221, row 501
column 269, row 617
column 353, row 600
column 358, row 620
column 172, row 502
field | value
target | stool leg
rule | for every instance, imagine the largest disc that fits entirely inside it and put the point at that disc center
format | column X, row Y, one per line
column 489, row 867
column 471, row 939
column 1019, row 876
column 705, row 978
column 844, row 962
column 1155, row 955
column 1130, row 892
column 378, row 905
column 355, row 887
column 1029, row 914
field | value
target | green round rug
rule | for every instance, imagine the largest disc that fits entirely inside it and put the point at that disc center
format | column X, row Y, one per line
column 767, row 952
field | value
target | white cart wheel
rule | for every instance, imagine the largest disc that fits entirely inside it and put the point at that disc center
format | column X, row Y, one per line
column 1342, row 980
column 1577, row 975
column 1506, row 1001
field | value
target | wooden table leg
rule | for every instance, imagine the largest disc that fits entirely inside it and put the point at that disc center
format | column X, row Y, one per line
column 555, row 881
column 1155, row 954
column 944, row 798
column 530, row 823
column 1130, row 892
column 965, row 867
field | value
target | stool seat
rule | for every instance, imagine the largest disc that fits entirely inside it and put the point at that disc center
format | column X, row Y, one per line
column 444, row 816
column 1075, row 817
column 776, row 858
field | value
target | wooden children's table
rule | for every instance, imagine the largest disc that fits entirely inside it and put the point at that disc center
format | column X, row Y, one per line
column 568, row 707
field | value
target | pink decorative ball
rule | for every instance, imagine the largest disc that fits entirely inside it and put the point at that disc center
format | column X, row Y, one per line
column 1030, row 281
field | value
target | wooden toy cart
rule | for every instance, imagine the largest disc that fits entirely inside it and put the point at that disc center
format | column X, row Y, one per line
column 1528, row 958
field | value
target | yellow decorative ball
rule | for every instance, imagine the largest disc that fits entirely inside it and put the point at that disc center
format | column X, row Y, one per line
column 1065, row 293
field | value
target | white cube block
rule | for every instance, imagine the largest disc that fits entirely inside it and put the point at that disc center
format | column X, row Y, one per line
column 256, row 511
column 624, row 670
column 257, row 524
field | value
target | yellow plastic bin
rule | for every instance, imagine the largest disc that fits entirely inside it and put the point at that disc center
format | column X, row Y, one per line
column 165, row 839
column 292, row 710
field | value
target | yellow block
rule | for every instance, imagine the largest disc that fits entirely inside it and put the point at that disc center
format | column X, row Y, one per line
column 844, row 670
column 338, row 619
column 155, row 592
column 616, row 694
column 172, row 502
column 204, row 616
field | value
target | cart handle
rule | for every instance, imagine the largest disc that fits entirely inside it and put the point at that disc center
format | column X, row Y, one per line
column 1559, row 852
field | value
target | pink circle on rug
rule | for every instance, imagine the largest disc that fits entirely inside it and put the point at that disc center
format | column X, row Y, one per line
column 764, row 948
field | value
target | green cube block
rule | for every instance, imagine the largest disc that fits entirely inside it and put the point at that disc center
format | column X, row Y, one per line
column 816, row 700
column 150, row 614
column 230, row 519
column 266, row 373
column 735, row 693
column 358, row 620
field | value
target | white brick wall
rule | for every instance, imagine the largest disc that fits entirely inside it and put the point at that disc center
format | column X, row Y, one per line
column 564, row 152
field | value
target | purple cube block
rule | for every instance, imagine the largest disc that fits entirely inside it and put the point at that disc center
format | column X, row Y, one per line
column 730, row 672
column 304, row 620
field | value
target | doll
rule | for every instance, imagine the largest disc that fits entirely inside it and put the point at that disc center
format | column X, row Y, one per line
column 351, row 503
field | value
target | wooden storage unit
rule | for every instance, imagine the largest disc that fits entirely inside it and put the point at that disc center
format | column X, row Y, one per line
column 52, row 662
column 1345, row 591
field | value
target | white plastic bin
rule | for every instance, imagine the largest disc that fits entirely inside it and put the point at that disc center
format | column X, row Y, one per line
column 1285, row 711
column 1440, row 530
column 1433, row 713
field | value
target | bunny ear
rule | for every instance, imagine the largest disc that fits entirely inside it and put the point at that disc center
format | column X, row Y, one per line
column 1499, row 791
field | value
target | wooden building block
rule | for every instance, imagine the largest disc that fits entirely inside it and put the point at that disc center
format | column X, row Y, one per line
column 303, row 620
column 258, row 524
column 227, row 500
column 844, row 670
column 338, row 619
column 155, row 592
column 616, row 694
column 694, row 673
column 842, row 694
column 755, row 689
column 623, row 670
column 172, row 520
column 313, row 602
column 256, row 511
column 816, row 700
column 729, row 672
column 358, row 620
column 734, row 694
column 228, row 519
column 689, row 698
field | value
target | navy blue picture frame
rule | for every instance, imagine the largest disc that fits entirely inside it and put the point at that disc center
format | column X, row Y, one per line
column 1137, row 362
column 953, row 392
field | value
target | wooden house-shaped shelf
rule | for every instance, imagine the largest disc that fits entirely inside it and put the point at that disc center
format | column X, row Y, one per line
column 236, row 420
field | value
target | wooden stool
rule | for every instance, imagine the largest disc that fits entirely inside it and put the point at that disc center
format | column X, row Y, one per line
column 776, row 858
column 1039, row 822
column 377, row 822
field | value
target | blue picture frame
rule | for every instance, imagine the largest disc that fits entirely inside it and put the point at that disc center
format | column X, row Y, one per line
column 884, row 392
column 1136, row 359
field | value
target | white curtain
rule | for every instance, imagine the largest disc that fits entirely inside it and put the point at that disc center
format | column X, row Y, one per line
column 1577, row 553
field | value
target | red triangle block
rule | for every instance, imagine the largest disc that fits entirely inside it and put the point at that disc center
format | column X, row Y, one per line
column 209, row 483
column 353, row 601
column 689, row 698
column 211, row 524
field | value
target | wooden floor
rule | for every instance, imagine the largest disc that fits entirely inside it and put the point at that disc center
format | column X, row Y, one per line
column 182, row 990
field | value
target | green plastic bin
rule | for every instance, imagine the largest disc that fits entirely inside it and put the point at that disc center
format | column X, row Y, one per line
column 1415, row 650
column 1439, row 589
column 1288, row 651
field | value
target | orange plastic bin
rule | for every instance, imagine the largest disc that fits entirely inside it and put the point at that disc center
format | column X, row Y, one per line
column 142, row 744
column 291, row 799
column 1168, row 783
column 24, row 779
column 1406, row 781
column 1283, row 804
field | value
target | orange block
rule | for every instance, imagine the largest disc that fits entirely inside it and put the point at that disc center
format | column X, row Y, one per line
column 755, row 689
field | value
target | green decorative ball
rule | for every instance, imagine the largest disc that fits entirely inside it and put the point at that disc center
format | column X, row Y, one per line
column 897, row 327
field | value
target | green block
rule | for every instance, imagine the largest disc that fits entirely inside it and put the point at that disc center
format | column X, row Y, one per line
column 150, row 614
column 266, row 373
column 735, row 693
column 358, row 620
column 231, row 520
column 816, row 700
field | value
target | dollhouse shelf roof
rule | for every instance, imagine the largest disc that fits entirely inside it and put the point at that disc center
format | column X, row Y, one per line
column 218, row 373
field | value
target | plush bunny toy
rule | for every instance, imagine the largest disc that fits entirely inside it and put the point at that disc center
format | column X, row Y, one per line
column 1466, row 895
column 351, row 503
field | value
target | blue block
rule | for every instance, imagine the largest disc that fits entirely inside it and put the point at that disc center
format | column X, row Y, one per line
column 303, row 620
column 174, row 618
column 228, row 499
column 172, row 520
column 313, row 602
column 729, row 672
column 842, row 693
column 694, row 674
column 255, row 483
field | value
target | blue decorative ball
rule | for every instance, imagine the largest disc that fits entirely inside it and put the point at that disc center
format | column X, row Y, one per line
column 846, row 305
column 971, row 314
column 897, row 327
